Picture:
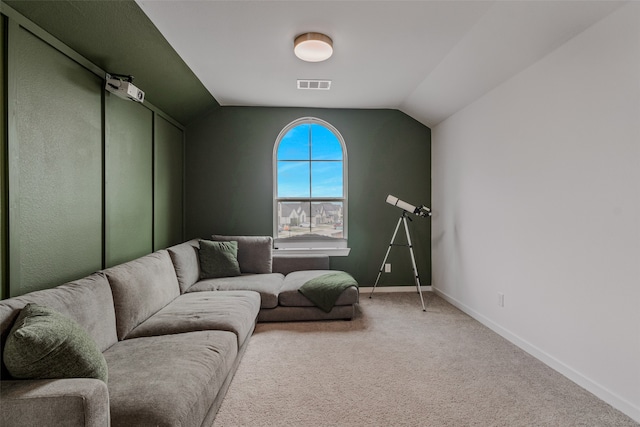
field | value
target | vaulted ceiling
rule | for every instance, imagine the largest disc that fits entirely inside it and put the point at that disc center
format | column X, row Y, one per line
column 428, row 59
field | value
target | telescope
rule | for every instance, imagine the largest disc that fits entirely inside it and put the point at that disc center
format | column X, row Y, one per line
column 407, row 207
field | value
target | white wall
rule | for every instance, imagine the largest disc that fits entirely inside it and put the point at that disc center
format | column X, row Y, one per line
column 536, row 194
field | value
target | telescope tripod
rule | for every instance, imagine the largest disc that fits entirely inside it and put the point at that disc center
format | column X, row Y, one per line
column 402, row 219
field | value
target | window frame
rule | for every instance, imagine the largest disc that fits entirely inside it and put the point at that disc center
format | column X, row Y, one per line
column 301, row 244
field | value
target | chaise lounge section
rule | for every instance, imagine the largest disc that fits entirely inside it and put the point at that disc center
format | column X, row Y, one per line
column 277, row 278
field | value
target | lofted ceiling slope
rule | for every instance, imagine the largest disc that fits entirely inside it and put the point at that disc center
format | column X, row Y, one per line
column 426, row 58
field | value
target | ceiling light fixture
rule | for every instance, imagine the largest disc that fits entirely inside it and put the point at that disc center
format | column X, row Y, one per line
column 313, row 47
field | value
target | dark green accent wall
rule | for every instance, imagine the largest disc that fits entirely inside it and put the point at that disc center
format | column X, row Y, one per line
column 168, row 184
column 229, row 181
column 119, row 38
column 3, row 168
column 129, row 180
column 80, row 165
column 55, row 176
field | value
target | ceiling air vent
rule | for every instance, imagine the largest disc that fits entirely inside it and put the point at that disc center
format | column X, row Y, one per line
column 314, row 84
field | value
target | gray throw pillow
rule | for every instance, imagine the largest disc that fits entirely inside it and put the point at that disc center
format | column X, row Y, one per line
column 46, row 344
column 218, row 259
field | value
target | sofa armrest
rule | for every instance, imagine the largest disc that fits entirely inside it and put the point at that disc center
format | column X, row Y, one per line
column 60, row 402
column 286, row 264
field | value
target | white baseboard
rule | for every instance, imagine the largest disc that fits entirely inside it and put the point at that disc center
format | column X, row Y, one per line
column 412, row 288
column 601, row 392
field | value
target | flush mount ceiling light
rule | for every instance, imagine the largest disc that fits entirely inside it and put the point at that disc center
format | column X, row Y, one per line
column 313, row 47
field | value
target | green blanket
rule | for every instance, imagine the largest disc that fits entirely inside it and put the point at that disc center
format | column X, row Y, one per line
column 324, row 290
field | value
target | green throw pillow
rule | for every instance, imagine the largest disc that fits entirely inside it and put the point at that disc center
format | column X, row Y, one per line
column 218, row 259
column 45, row 344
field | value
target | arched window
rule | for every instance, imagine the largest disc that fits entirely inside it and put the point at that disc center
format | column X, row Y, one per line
column 310, row 186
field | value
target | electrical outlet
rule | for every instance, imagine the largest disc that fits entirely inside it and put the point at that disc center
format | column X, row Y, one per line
column 500, row 299
column 387, row 268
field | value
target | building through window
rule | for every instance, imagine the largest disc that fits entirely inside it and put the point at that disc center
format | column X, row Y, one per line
column 310, row 188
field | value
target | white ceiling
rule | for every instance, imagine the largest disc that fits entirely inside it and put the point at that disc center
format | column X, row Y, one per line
column 428, row 59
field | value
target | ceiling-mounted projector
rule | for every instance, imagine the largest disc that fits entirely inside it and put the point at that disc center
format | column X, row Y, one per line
column 122, row 86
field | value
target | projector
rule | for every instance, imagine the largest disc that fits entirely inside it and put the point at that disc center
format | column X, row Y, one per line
column 123, row 87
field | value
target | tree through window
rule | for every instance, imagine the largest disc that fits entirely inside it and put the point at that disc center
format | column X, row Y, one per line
column 310, row 164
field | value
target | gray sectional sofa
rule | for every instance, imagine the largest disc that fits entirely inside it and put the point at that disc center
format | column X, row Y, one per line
column 171, row 340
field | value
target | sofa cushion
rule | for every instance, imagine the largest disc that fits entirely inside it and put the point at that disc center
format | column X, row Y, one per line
column 87, row 301
column 254, row 252
column 186, row 263
column 168, row 380
column 285, row 264
column 218, row 259
column 290, row 297
column 45, row 344
column 140, row 288
column 233, row 311
column 268, row 285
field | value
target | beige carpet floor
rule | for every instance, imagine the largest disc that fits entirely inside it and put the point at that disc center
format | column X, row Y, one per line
column 395, row 365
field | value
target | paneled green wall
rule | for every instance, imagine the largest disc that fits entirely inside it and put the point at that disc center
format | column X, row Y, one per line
column 168, row 184
column 80, row 165
column 119, row 37
column 3, row 170
column 55, row 165
column 129, row 180
column 229, row 177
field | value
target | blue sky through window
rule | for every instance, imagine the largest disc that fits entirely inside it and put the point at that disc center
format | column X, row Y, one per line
column 324, row 144
column 310, row 163
column 293, row 179
column 295, row 144
column 326, row 179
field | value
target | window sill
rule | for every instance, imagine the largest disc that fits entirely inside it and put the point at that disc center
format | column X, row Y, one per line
column 313, row 251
